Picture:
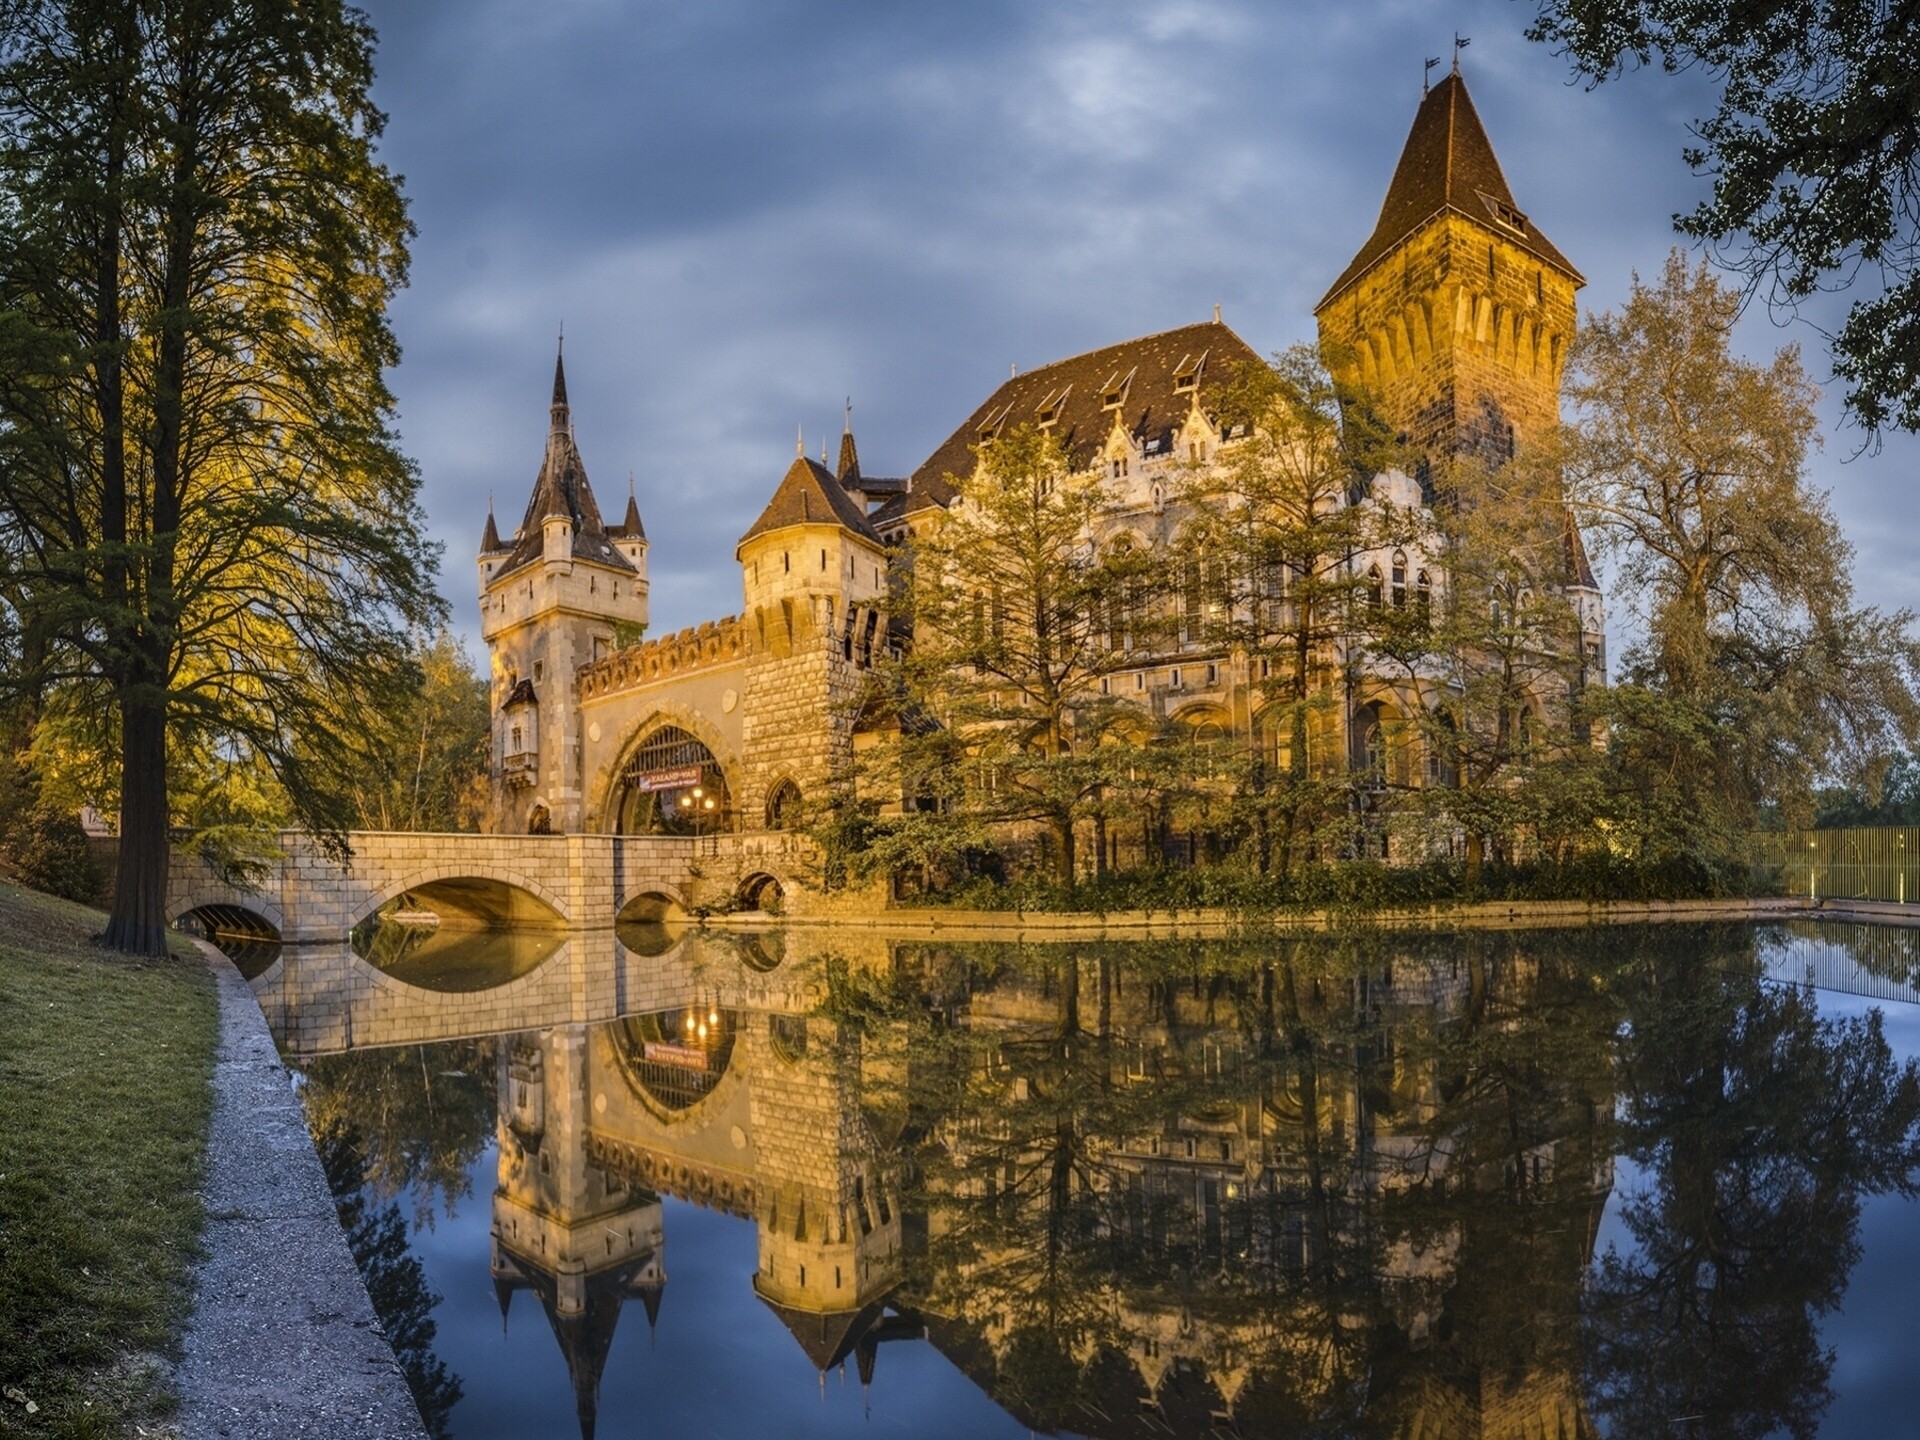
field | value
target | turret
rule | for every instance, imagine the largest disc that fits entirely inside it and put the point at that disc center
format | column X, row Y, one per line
column 561, row 594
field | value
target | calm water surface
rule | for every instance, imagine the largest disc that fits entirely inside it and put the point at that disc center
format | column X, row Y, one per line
column 1629, row 1182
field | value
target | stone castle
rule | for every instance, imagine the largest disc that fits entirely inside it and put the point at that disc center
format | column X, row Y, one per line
column 1456, row 311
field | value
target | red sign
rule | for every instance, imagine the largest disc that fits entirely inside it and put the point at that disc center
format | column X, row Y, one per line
column 678, row 778
column 685, row 1058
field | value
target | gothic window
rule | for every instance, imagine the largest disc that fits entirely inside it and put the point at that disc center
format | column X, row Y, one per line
column 1374, row 588
column 1423, row 595
column 1399, row 579
column 783, row 806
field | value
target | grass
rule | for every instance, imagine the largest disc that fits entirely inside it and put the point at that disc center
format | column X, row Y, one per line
column 104, row 1103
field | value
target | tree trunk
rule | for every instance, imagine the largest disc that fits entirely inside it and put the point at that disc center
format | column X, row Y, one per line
column 1063, row 849
column 1476, row 856
column 138, row 922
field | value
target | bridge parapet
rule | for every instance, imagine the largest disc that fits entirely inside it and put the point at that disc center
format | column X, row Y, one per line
column 578, row 882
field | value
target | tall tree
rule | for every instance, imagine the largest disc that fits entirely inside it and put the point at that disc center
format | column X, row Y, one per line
column 1814, row 153
column 1757, row 676
column 203, row 511
column 1013, row 633
column 1278, row 518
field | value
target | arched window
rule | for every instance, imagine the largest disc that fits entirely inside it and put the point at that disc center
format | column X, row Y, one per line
column 783, row 806
column 539, row 822
column 1423, row 595
column 1374, row 595
column 1399, row 579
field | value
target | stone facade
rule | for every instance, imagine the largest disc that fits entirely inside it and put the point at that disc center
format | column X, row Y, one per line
column 1457, row 312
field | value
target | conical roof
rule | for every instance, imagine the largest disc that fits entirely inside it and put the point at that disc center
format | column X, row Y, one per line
column 561, row 490
column 490, row 540
column 809, row 495
column 848, row 470
column 1448, row 164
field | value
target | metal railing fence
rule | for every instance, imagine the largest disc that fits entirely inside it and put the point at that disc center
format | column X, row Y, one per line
column 1876, row 863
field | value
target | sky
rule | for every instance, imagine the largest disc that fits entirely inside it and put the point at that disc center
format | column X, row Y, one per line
column 744, row 212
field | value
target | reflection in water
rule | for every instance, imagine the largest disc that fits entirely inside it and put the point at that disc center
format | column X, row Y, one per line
column 1290, row 1188
column 449, row 959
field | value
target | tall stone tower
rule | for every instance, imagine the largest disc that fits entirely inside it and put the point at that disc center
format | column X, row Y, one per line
column 563, row 592
column 1457, row 312
column 814, row 574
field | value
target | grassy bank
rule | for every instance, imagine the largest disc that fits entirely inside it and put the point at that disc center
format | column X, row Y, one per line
column 104, row 1102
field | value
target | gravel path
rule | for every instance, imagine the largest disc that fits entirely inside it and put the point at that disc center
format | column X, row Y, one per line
column 283, row 1341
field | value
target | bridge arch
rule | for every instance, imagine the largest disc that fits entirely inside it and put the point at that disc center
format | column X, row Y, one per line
column 498, row 897
column 229, row 903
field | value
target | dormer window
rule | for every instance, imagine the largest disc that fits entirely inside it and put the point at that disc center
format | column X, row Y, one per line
column 1050, row 409
column 1114, row 392
column 990, row 427
column 1503, row 214
column 1186, row 375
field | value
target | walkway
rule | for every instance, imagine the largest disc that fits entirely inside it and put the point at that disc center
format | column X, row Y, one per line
column 283, row 1341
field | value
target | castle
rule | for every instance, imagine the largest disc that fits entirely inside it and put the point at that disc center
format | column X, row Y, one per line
column 1456, row 312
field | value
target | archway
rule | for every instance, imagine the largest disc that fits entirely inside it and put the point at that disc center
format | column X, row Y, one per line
column 761, row 892
column 246, row 937
column 675, row 1058
column 783, row 806
column 671, row 785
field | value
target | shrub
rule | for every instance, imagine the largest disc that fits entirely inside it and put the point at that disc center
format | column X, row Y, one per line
column 50, row 853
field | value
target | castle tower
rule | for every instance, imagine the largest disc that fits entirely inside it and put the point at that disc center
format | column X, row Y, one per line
column 815, row 579
column 1457, row 312
column 565, row 590
column 564, row 1228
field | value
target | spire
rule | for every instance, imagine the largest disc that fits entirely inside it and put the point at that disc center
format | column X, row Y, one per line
column 848, row 471
column 490, row 540
column 630, row 526
column 1448, row 164
column 561, row 491
column 562, row 414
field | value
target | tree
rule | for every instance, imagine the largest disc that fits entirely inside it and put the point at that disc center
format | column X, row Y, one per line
column 1814, row 152
column 1013, row 604
column 1756, row 676
column 1278, row 520
column 206, row 527
column 431, row 760
column 1495, row 656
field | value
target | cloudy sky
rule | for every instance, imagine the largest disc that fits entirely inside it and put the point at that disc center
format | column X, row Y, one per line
column 745, row 211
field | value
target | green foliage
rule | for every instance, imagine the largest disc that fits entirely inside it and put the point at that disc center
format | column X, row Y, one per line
column 207, row 529
column 1758, row 677
column 428, row 769
column 50, row 853
column 1813, row 152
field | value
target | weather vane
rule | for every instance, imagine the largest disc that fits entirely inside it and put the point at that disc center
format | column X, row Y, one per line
column 1427, row 74
column 1460, row 42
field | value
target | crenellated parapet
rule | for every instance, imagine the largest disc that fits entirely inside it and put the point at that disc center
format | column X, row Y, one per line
column 698, row 647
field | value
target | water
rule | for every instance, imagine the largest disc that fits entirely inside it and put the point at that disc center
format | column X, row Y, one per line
column 1629, row 1182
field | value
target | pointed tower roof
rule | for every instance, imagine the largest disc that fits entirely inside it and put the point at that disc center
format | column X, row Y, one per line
column 827, row 1338
column 809, row 495
column 561, row 490
column 848, row 470
column 1448, row 164
column 490, row 540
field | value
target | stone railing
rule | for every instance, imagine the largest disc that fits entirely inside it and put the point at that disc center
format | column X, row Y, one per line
column 712, row 642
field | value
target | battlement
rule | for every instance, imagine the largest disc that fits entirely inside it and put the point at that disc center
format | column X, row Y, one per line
column 698, row 647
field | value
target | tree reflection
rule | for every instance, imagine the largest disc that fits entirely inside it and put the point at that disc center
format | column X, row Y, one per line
column 420, row 1116
column 1759, row 1127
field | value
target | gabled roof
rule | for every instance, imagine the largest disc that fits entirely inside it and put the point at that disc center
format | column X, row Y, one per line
column 809, row 495
column 561, row 489
column 1448, row 164
column 1077, row 393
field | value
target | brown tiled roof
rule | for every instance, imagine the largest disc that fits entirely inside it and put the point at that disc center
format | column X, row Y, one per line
column 1150, row 408
column 1448, row 164
column 630, row 527
column 562, row 489
column 828, row 1339
column 809, row 495
column 490, row 541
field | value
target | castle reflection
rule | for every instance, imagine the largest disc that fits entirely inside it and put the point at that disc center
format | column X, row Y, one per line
column 1287, row 1188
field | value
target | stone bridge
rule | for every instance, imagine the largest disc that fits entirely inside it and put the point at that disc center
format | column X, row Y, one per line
column 564, row 882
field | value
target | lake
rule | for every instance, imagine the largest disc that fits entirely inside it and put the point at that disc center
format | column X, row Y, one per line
column 1637, row 1181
